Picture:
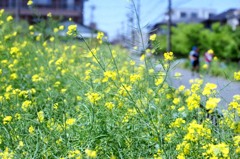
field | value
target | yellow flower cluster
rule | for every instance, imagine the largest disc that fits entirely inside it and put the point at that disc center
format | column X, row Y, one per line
column 30, row 2
column 237, row 76
column 235, row 104
column 177, row 123
column 153, row 37
column 197, row 132
column 76, row 154
column 124, row 90
column 40, row 115
column 31, row 129
column 212, row 103
column 70, row 121
column 209, row 89
column 109, row 105
column 6, row 154
column 26, row 104
column 236, row 140
column 7, row 119
column 93, row 97
column 72, row 30
column 168, row 56
column 109, row 75
column 91, row 153
column 220, row 150
column 130, row 113
column 100, row 36
column 193, row 101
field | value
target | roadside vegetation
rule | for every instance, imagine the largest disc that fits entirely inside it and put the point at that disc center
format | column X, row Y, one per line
column 221, row 38
column 66, row 98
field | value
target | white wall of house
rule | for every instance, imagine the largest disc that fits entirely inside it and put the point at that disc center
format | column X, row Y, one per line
column 186, row 13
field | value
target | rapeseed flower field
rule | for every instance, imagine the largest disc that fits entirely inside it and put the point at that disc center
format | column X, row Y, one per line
column 82, row 99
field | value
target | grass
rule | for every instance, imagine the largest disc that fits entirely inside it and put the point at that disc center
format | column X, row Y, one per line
column 218, row 68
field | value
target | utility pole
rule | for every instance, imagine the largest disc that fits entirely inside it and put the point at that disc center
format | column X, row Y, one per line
column 169, row 26
column 122, row 32
column 92, row 23
column 139, row 10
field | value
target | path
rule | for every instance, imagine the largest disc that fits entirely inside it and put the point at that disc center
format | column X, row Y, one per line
column 226, row 88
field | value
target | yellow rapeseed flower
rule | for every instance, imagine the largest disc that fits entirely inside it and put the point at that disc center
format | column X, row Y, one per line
column 31, row 129
column 109, row 105
column 93, row 97
column 61, row 27
column 209, row 89
column 124, row 90
column 177, row 75
column 100, row 35
column 177, row 123
column 52, row 39
column 70, row 121
column 49, row 14
column 193, row 101
column 220, row 150
column 142, row 57
column 31, row 27
column 91, row 153
column 205, row 66
column 7, row 119
column 30, row 2
column 181, row 88
column 168, row 56
column 75, row 154
column 9, row 18
column 6, row 154
column 196, row 132
column 1, row 12
column 72, row 30
column 26, row 104
column 152, row 37
column 109, row 75
column 237, row 76
column 212, row 103
column 169, row 137
column 40, row 115
column 134, row 78
column 13, row 76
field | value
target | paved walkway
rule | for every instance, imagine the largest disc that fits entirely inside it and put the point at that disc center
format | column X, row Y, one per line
column 226, row 89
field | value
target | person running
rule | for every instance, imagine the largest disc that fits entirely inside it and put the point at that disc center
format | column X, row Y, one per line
column 194, row 59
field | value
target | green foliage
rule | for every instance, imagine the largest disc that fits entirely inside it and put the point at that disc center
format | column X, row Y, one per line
column 184, row 37
column 221, row 38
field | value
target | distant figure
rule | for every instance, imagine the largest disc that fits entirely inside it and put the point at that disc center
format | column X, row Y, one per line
column 194, row 59
column 208, row 56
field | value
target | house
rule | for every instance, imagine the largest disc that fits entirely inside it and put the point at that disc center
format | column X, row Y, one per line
column 182, row 15
column 59, row 8
column 230, row 17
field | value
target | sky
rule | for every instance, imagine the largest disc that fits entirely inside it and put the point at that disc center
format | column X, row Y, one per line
column 111, row 16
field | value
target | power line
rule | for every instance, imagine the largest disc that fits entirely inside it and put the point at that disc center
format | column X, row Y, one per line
column 169, row 25
column 151, row 10
column 181, row 3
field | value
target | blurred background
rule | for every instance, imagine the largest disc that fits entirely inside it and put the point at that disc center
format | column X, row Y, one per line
column 130, row 23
